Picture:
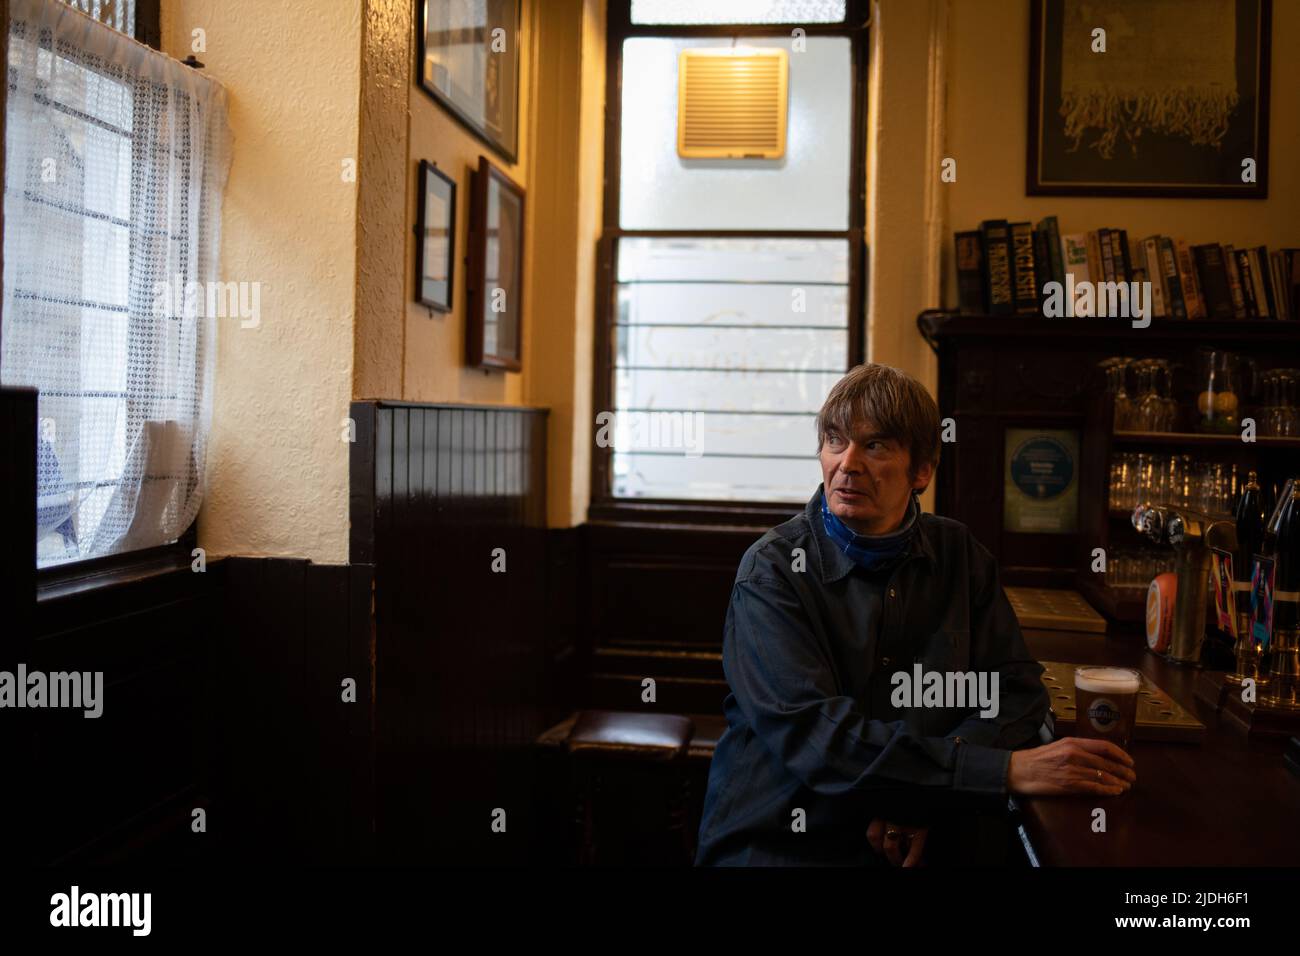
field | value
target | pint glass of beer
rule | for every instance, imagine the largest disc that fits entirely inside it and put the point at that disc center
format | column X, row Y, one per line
column 1105, row 703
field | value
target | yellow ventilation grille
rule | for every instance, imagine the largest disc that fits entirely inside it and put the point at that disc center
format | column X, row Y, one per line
column 731, row 103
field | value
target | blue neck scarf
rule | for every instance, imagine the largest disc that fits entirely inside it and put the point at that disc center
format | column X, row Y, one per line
column 871, row 551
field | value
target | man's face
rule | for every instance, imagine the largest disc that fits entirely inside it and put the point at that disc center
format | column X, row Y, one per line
column 866, row 479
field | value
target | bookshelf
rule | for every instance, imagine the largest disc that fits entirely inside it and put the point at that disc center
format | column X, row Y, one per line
column 1000, row 372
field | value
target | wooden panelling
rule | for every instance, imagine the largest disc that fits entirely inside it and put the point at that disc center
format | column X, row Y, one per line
column 18, row 587
column 148, row 752
column 450, row 503
column 658, row 604
column 222, row 691
column 294, row 763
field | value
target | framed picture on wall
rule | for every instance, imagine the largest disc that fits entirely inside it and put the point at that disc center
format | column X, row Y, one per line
column 435, row 242
column 1040, row 485
column 469, row 62
column 1159, row 98
column 494, row 297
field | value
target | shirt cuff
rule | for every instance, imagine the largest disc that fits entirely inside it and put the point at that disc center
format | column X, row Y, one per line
column 981, row 769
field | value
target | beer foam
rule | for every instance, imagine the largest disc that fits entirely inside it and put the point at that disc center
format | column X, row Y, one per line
column 1103, row 680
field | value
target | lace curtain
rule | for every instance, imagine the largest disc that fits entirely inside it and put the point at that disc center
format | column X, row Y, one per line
column 116, row 158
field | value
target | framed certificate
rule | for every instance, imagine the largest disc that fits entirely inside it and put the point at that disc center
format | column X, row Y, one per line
column 1041, row 481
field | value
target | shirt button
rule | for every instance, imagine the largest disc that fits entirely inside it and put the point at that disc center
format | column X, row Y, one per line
column 891, row 592
column 886, row 661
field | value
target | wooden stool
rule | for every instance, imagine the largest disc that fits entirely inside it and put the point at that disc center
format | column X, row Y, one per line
column 605, row 746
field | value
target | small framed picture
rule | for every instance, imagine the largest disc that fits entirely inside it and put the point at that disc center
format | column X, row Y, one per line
column 494, row 297
column 435, row 232
column 469, row 62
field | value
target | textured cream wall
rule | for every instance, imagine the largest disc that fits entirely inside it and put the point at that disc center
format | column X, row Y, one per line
column 988, row 101
column 278, row 472
column 387, row 36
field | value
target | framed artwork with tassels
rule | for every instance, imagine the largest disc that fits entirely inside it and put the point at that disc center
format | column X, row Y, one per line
column 1159, row 98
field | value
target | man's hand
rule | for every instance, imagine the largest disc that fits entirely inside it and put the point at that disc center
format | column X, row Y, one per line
column 901, row 846
column 1071, row 765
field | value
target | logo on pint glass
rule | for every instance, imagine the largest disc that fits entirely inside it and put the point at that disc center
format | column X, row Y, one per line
column 1103, row 715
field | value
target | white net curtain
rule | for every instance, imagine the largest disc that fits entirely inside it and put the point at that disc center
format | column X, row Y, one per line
column 116, row 158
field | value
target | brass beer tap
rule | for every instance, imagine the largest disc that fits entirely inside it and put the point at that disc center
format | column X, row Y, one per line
column 1191, row 533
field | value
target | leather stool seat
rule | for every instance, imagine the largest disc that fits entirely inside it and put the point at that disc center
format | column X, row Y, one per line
column 621, row 735
column 618, row 760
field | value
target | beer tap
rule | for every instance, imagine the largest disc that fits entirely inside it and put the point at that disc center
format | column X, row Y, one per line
column 1191, row 533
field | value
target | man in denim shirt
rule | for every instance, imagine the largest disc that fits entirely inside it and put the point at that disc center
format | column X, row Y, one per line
column 824, row 762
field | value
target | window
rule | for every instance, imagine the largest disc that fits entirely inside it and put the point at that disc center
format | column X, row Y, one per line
column 115, row 160
column 731, row 289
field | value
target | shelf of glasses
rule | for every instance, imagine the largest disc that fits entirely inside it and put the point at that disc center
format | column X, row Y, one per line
column 1198, row 438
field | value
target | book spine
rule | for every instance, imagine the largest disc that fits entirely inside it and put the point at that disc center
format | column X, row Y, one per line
column 1055, row 250
column 971, row 296
column 996, row 249
column 1247, row 283
column 1042, row 263
column 1279, row 286
column 1234, row 282
column 1187, row 275
column 1022, row 268
column 1173, row 284
column 1212, row 280
column 1107, row 255
column 1263, row 288
column 1075, row 252
column 1291, row 259
column 1121, row 238
column 1156, row 276
column 1094, row 255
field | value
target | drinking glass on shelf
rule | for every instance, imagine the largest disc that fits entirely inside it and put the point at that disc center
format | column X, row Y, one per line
column 1267, row 416
column 1147, row 409
column 1117, row 569
column 1115, row 369
column 1174, row 482
column 1168, row 406
column 1288, row 412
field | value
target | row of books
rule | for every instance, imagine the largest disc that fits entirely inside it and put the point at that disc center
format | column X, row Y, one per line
column 1003, row 268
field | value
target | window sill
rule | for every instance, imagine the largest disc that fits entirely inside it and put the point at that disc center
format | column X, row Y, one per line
column 58, row 584
column 746, row 515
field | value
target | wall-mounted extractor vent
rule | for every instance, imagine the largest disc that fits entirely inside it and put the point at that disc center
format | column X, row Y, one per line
column 731, row 103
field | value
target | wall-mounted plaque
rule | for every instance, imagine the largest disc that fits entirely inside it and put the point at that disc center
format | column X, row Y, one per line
column 1041, row 481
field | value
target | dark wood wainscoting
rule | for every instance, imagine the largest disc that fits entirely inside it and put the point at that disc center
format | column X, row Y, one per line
column 449, row 504
column 658, row 602
column 222, row 691
column 294, row 763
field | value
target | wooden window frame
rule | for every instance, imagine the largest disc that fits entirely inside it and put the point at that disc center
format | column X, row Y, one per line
column 692, row 512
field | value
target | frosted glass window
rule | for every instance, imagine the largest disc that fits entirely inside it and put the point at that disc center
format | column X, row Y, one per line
column 808, row 188
column 724, row 351
column 737, row 11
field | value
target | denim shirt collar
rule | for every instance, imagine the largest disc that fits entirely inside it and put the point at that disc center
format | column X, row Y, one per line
column 835, row 564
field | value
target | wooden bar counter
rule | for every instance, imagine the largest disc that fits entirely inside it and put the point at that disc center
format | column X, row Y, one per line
column 1225, row 801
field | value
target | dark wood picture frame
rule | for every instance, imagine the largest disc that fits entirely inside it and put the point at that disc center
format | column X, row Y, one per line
column 426, row 290
column 484, row 345
column 1046, row 136
column 503, row 137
